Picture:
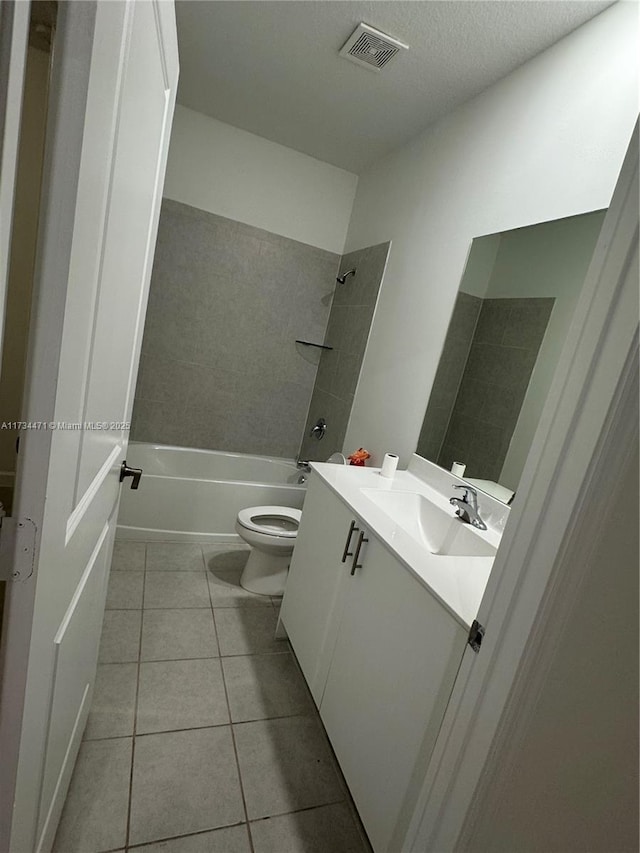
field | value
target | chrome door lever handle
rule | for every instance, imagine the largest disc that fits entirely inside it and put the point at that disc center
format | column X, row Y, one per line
column 134, row 473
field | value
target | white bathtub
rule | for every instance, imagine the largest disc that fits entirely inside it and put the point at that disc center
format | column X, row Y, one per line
column 195, row 495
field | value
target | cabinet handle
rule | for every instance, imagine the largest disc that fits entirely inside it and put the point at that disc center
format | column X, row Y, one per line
column 356, row 565
column 347, row 553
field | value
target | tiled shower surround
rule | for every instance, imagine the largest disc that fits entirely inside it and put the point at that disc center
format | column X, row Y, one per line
column 486, row 365
column 352, row 311
column 220, row 368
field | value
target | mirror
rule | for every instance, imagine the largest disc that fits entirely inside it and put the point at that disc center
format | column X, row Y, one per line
column 516, row 300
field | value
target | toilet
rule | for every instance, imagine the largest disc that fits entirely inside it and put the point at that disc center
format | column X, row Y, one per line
column 271, row 531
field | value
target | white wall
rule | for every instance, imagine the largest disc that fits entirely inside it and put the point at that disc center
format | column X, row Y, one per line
column 544, row 143
column 236, row 174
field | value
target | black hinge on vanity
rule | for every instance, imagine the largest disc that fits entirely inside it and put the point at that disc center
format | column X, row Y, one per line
column 475, row 635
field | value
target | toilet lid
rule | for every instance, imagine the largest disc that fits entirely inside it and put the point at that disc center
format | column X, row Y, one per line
column 273, row 520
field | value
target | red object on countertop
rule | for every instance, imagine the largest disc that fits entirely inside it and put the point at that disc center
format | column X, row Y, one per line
column 359, row 457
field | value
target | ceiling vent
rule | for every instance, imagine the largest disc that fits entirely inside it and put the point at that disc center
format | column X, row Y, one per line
column 370, row 48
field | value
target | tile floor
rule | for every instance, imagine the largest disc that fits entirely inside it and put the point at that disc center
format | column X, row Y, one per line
column 202, row 736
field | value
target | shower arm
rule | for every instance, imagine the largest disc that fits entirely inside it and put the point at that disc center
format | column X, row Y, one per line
column 341, row 279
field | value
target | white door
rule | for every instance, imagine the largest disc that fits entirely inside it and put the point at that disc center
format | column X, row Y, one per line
column 113, row 87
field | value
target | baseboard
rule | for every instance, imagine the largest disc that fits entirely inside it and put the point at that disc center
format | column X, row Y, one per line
column 150, row 534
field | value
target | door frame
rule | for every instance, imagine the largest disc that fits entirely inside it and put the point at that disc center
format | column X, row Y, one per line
column 582, row 431
column 14, row 36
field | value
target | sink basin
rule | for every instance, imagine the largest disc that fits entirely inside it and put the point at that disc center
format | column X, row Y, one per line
column 439, row 530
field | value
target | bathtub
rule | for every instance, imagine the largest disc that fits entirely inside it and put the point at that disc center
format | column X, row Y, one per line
column 195, row 495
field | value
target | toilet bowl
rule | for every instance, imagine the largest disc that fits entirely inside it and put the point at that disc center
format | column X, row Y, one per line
column 271, row 531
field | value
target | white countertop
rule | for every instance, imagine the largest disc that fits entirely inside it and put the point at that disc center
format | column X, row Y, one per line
column 457, row 582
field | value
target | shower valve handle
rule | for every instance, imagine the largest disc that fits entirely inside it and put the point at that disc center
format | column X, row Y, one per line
column 319, row 429
column 134, row 473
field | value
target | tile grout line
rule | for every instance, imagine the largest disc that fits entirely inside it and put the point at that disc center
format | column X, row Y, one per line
column 207, row 725
column 135, row 705
column 233, row 737
column 140, row 847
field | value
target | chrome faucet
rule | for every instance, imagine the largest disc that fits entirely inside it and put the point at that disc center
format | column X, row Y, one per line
column 467, row 507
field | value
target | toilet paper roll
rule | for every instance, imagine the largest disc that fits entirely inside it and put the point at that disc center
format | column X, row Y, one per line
column 458, row 468
column 389, row 465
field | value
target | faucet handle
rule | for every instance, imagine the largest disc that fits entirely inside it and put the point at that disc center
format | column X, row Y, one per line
column 470, row 495
column 467, row 489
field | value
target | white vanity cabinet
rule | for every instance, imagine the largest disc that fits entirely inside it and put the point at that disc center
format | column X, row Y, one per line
column 311, row 607
column 380, row 654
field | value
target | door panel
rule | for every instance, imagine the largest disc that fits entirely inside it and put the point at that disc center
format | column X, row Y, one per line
column 85, row 338
column 75, row 654
column 128, row 247
column 92, row 204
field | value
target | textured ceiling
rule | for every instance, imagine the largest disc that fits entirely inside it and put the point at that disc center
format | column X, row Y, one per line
column 272, row 66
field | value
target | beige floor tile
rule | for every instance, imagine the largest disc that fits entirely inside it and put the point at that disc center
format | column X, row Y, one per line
column 263, row 686
column 120, row 641
column 178, row 635
column 128, row 556
column 114, row 701
column 174, row 557
column 173, row 590
column 125, row 591
column 285, row 764
column 226, row 591
column 225, row 558
column 231, row 839
column 94, row 817
column 328, row 828
column 247, row 630
column 184, row 782
column 180, row 694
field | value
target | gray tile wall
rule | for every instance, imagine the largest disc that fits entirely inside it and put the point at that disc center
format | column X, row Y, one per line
column 503, row 353
column 220, row 368
column 449, row 375
column 352, row 311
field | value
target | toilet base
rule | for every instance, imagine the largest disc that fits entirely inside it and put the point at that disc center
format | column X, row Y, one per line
column 265, row 574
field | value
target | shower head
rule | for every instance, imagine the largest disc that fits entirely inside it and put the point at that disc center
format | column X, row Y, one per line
column 342, row 278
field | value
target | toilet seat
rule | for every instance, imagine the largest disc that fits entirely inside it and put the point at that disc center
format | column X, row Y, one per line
column 279, row 521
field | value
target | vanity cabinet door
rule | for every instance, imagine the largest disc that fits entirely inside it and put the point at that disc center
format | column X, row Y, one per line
column 312, row 603
column 394, row 662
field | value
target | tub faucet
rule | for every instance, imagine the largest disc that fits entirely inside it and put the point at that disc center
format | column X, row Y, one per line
column 305, row 469
column 467, row 507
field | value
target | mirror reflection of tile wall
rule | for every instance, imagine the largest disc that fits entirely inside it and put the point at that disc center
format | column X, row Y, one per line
column 481, row 383
column 516, row 302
